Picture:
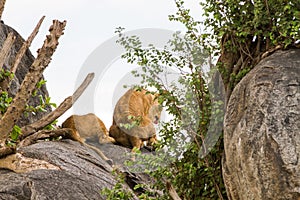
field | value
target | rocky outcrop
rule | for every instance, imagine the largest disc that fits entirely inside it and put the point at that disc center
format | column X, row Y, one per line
column 75, row 172
column 22, row 70
column 262, row 131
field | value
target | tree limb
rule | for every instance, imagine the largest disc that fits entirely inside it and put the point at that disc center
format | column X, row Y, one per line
column 45, row 134
column 28, row 85
column 9, row 41
column 60, row 110
column 6, row 150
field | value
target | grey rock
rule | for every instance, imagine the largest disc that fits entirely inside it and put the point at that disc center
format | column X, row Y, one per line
column 21, row 72
column 82, row 174
column 134, row 173
column 262, row 131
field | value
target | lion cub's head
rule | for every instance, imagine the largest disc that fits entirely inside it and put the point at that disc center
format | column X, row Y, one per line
column 155, row 112
column 151, row 105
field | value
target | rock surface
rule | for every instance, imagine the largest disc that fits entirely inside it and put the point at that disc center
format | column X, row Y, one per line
column 22, row 70
column 262, row 131
column 80, row 173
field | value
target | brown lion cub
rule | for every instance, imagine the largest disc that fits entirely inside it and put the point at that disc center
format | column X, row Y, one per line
column 133, row 119
column 89, row 126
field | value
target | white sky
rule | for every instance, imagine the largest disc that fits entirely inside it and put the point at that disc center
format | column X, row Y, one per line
column 89, row 24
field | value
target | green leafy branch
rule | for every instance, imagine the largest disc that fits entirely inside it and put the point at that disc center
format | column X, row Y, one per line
column 118, row 192
column 134, row 122
column 45, row 102
column 5, row 73
column 5, row 101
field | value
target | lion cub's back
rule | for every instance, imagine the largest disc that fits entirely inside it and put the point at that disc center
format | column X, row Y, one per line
column 87, row 126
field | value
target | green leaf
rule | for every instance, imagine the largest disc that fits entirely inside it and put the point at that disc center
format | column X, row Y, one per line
column 16, row 132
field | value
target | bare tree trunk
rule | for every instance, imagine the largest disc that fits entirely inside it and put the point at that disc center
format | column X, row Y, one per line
column 61, row 109
column 28, row 85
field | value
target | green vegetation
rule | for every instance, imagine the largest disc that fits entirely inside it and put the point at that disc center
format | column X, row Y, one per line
column 5, row 73
column 246, row 31
column 135, row 121
column 5, row 101
column 118, row 192
column 238, row 34
column 42, row 107
column 14, row 135
column 188, row 100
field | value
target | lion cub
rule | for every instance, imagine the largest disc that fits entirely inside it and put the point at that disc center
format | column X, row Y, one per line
column 89, row 126
column 133, row 119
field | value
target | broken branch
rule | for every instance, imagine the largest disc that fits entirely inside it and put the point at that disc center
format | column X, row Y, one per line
column 60, row 110
column 45, row 134
column 26, row 45
column 6, row 150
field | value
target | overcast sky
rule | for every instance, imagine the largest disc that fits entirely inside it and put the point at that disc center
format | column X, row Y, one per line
column 90, row 23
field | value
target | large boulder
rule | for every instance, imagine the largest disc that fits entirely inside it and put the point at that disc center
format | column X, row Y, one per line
column 21, row 72
column 262, row 131
column 65, row 170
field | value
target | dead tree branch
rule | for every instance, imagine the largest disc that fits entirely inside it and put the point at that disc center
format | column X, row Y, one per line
column 60, row 110
column 28, row 85
column 2, row 4
column 26, row 45
column 5, row 84
column 9, row 41
column 45, row 134
column 6, row 150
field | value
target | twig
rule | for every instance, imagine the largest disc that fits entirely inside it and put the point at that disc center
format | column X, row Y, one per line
column 17, row 107
column 9, row 41
column 246, row 52
column 258, row 47
column 270, row 51
column 172, row 191
column 60, row 110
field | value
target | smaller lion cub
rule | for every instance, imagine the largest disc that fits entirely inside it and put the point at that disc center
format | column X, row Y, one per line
column 88, row 126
